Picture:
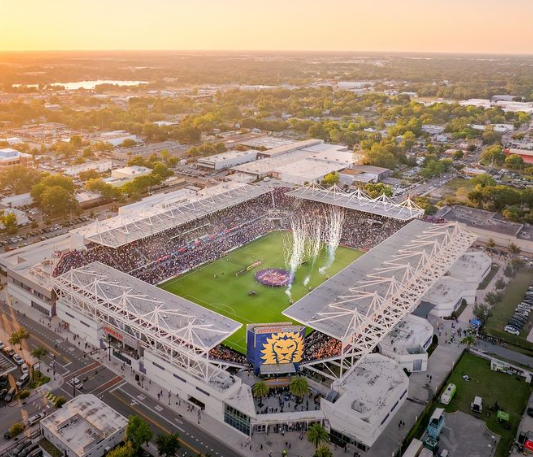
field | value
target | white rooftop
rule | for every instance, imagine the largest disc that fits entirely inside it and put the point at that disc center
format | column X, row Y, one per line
column 83, row 422
column 156, row 216
column 267, row 142
column 446, row 290
column 471, row 266
column 371, row 389
column 409, row 335
column 9, row 154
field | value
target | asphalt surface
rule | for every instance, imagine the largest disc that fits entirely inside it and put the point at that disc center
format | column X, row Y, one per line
column 68, row 360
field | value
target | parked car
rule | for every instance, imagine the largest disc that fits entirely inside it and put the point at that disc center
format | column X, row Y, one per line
column 1, row 345
column 10, row 394
column 4, row 380
column 22, row 380
column 8, row 350
column 18, row 359
column 36, row 418
column 25, row 369
column 3, row 393
column 512, row 330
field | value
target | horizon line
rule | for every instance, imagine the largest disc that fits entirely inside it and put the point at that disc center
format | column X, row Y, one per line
column 322, row 51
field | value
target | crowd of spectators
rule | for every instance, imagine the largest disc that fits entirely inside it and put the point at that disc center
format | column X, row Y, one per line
column 320, row 346
column 168, row 254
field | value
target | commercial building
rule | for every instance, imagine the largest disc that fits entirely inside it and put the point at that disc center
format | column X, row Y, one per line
column 11, row 158
column 100, row 166
column 227, row 159
column 527, row 155
column 116, row 137
column 145, row 151
column 17, row 201
column 84, row 427
column 298, row 163
column 471, row 268
column 130, row 173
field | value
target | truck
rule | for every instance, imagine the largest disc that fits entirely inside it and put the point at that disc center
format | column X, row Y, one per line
column 477, row 405
column 448, row 394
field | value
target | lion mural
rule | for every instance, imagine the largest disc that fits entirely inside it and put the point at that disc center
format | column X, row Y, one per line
column 283, row 347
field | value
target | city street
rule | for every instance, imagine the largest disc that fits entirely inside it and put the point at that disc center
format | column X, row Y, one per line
column 100, row 381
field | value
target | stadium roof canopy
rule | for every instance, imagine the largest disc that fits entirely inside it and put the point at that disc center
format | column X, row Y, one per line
column 364, row 301
column 359, row 201
column 148, row 311
column 150, row 219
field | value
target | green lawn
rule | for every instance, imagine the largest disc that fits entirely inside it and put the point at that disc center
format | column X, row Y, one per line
column 502, row 311
column 228, row 294
column 510, row 392
column 493, row 270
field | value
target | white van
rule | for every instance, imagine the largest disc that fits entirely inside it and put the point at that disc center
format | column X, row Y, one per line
column 22, row 380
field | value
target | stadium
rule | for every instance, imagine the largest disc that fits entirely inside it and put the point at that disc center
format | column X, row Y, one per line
column 211, row 291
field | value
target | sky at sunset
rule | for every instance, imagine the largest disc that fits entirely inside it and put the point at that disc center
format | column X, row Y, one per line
column 486, row 26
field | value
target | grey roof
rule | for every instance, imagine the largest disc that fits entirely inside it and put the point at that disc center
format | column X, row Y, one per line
column 168, row 312
column 151, row 220
column 359, row 201
column 314, row 309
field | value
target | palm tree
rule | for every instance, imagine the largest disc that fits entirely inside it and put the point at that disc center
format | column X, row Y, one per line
column 491, row 243
column 299, row 387
column 39, row 353
column 260, row 390
column 323, row 451
column 168, row 444
column 469, row 339
column 317, row 435
column 514, row 249
column 18, row 336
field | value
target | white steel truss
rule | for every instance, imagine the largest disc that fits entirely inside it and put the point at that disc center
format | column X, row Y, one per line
column 179, row 337
column 405, row 279
column 360, row 201
column 150, row 219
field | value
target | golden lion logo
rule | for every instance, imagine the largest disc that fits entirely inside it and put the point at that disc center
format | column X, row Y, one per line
column 283, row 347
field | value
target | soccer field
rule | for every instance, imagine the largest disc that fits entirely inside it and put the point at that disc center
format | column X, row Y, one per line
column 216, row 287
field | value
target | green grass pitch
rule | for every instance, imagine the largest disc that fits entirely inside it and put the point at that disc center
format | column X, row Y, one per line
column 228, row 294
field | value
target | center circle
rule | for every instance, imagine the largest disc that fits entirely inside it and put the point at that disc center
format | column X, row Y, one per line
column 274, row 277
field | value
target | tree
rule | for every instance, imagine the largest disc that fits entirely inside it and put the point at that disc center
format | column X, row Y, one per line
column 56, row 200
column 89, row 174
column 331, row 178
column 122, row 451
column 9, row 221
column 493, row 155
column 469, row 339
column 19, row 179
column 138, row 432
column 458, row 155
column 500, row 284
column 168, row 444
column 18, row 336
column 59, row 402
column 514, row 162
column 128, row 143
column 161, row 170
column 482, row 312
column 491, row 243
column 107, row 191
column 323, row 451
column 374, row 190
column 317, row 435
column 514, row 249
column 484, row 180
column 260, row 390
column 490, row 136
column 299, row 387
column 40, row 352
column 16, row 429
